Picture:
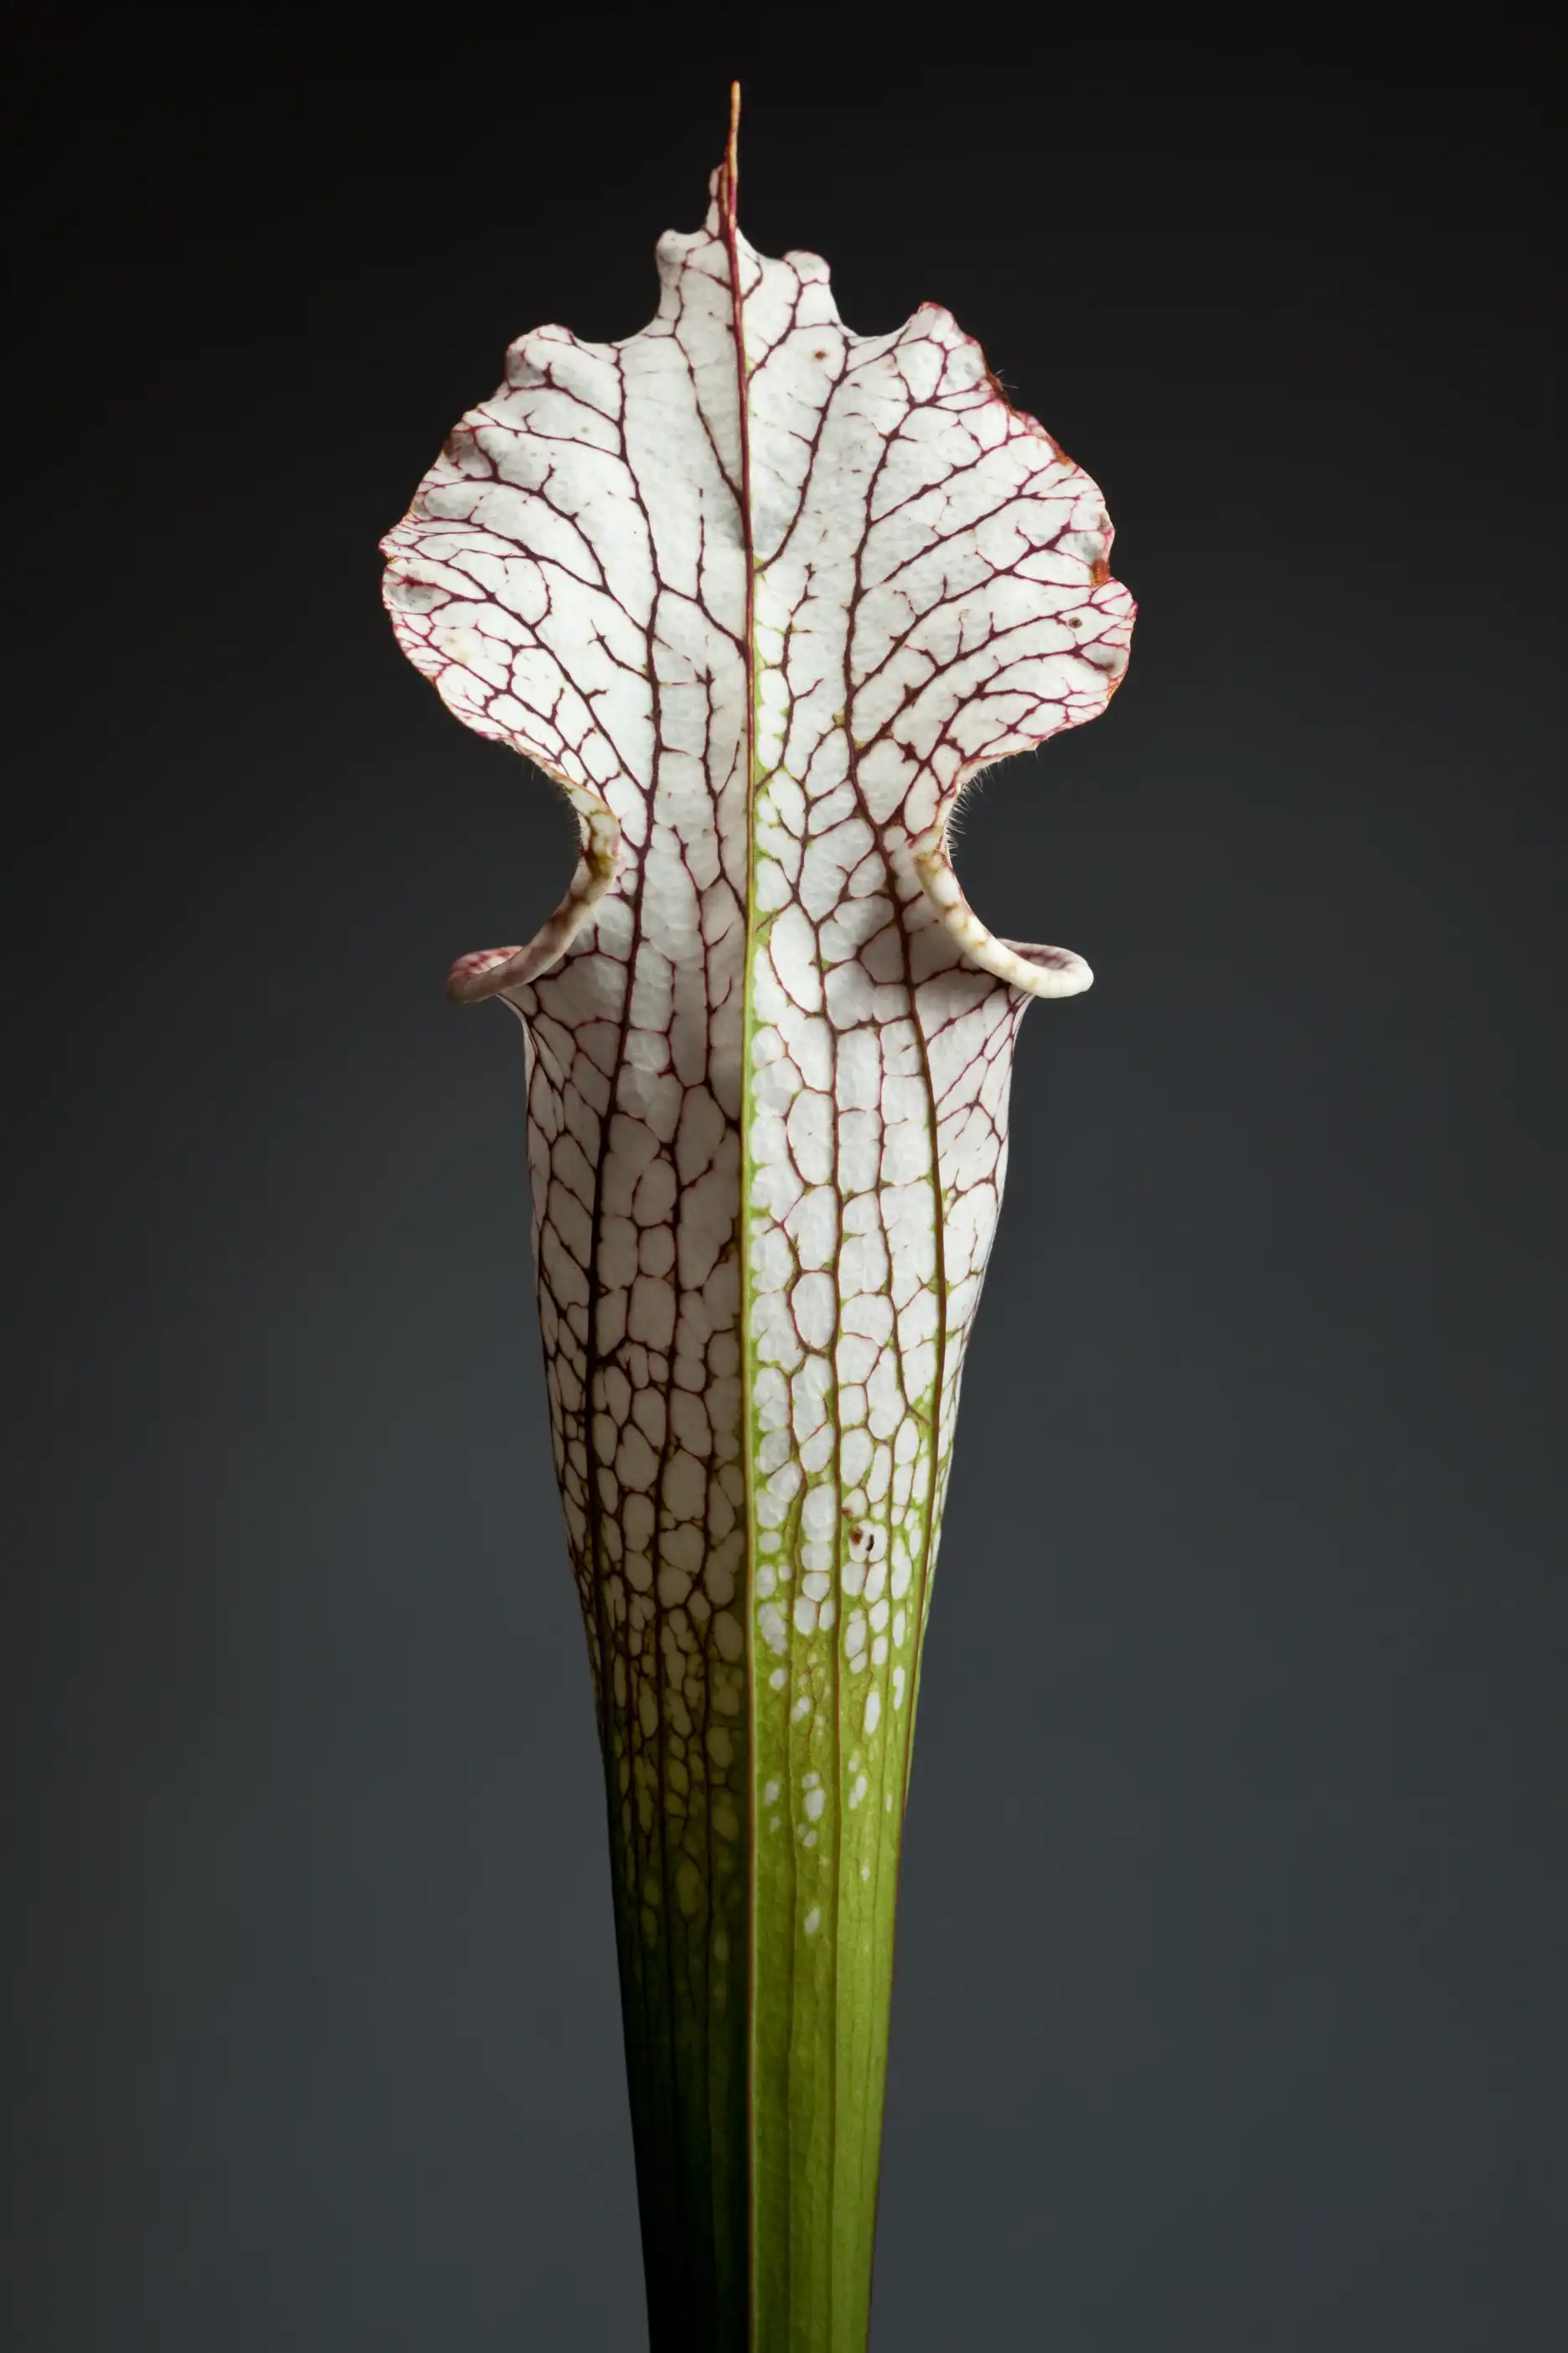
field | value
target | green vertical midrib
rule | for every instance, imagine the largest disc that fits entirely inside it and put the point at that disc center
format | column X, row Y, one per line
column 810, row 2254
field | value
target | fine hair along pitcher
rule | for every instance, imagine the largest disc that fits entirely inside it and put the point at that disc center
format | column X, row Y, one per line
column 761, row 595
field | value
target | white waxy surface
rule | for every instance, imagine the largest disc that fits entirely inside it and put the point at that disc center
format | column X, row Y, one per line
column 769, row 1042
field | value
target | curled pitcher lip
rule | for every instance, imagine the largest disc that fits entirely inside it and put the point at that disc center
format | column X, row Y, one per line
column 1037, row 971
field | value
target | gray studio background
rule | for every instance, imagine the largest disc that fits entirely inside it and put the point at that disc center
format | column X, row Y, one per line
column 1228, row 2005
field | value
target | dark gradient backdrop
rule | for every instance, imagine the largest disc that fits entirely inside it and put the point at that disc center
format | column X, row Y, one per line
column 1230, row 2003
